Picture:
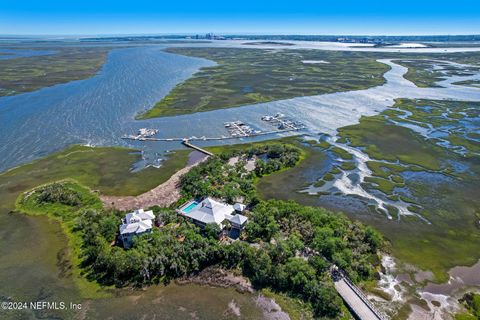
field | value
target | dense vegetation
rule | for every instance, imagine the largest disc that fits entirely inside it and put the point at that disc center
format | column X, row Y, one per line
column 349, row 245
column 291, row 255
column 288, row 247
column 471, row 301
column 235, row 181
column 57, row 192
column 173, row 251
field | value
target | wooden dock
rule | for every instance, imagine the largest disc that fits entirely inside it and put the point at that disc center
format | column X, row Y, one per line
column 188, row 144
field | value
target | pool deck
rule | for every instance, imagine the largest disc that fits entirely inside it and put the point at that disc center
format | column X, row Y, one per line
column 188, row 206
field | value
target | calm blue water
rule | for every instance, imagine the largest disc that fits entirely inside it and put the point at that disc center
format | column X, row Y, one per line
column 95, row 111
column 101, row 109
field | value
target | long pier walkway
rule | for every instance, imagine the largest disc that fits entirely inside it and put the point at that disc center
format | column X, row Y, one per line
column 188, row 144
column 355, row 299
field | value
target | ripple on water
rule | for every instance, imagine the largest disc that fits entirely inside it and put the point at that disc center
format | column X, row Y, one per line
column 101, row 109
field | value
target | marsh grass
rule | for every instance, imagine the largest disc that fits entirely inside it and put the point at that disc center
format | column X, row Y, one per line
column 66, row 64
column 68, row 259
column 107, row 170
column 249, row 76
column 447, row 198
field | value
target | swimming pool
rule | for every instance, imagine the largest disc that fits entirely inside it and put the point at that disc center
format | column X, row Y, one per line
column 189, row 208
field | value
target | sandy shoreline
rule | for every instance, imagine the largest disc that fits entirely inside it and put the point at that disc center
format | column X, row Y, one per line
column 163, row 195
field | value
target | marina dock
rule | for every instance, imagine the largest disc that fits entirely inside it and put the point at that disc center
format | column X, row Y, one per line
column 236, row 130
column 211, row 138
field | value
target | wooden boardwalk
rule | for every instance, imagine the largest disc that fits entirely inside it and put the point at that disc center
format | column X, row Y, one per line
column 188, row 144
column 356, row 300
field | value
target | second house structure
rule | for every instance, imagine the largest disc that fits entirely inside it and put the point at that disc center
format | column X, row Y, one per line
column 134, row 224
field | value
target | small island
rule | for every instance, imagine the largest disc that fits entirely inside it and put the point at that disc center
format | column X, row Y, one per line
column 276, row 246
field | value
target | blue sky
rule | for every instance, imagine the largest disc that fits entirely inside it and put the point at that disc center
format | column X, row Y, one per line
column 75, row 17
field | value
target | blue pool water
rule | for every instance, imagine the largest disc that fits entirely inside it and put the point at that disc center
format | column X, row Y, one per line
column 190, row 207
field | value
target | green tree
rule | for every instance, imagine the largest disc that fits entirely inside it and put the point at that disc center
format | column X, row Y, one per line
column 212, row 231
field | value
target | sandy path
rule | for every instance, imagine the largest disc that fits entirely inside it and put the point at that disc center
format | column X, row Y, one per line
column 162, row 195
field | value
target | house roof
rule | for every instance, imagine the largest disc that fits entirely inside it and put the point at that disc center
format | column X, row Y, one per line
column 238, row 219
column 137, row 222
column 136, row 227
column 212, row 211
column 239, row 207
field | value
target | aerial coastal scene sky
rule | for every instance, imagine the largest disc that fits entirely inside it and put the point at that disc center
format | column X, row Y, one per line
column 351, row 17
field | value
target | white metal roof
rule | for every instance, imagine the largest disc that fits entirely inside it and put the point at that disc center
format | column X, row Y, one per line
column 239, row 207
column 136, row 227
column 137, row 222
column 212, row 211
column 238, row 219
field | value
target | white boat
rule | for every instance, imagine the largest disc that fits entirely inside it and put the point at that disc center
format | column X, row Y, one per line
column 145, row 132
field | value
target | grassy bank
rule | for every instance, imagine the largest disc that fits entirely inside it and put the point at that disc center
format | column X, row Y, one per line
column 248, row 76
column 103, row 169
column 469, row 83
column 29, row 204
column 66, row 64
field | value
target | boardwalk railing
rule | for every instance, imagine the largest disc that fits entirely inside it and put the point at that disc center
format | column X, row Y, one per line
column 365, row 299
column 361, row 295
column 188, row 144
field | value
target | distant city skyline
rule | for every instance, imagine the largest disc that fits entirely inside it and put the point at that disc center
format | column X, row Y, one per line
column 347, row 17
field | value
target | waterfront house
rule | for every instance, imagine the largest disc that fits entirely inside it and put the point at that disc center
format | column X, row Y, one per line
column 212, row 211
column 134, row 224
